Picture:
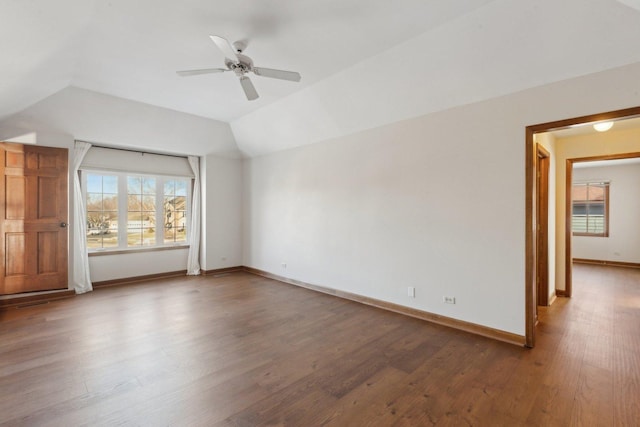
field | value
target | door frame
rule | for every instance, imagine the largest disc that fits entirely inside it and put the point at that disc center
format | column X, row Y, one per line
column 542, row 228
column 531, row 204
column 568, row 207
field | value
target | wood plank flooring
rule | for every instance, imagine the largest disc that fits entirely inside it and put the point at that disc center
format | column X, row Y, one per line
column 241, row 350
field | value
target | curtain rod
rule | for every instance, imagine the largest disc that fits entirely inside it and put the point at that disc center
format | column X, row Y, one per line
column 132, row 150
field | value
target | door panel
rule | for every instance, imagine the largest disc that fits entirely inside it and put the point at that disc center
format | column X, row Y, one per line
column 48, row 243
column 15, row 189
column 16, row 246
column 33, row 207
column 47, row 206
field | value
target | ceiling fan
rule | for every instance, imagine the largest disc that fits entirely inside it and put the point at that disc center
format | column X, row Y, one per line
column 241, row 65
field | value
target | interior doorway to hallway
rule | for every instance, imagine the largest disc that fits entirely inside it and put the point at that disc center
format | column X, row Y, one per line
column 533, row 219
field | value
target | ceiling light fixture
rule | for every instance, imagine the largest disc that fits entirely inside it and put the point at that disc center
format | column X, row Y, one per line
column 603, row 126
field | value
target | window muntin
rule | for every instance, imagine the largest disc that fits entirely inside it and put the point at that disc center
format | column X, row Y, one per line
column 590, row 209
column 124, row 210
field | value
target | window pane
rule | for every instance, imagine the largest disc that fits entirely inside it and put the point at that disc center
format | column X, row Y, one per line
column 579, row 208
column 134, row 202
column 169, row 235
column 102, row 211
column 94, row 183
column 110, row 184
column 134, row 237
column 595, row 192
column 180, row 203
column 149, row 221
column 149, row 236
column 175, row 210
column 596, row 209
column 169, row 188
column 181, row 232
column 110, row 241
column 134, row 185
column 94, row 201
column 579, row 224
column 181, row 187
column 148, row 203
column 148, row 185
column 110, row 202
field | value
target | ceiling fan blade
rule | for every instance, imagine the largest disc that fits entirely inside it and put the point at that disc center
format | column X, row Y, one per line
column 248, row 87
column 225, row 47
column 277, row 74
column 187, row 73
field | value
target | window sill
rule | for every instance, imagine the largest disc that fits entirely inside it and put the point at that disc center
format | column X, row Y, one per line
column 136, row 250
column 591, row 234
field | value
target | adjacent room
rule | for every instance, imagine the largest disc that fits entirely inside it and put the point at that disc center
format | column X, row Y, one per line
column 320, row 213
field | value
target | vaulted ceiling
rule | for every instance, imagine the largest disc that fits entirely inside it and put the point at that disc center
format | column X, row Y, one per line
column 363, row 63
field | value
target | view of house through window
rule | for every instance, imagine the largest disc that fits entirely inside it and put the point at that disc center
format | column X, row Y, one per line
column 590, row 210
column 133, row 211
column 175, row 210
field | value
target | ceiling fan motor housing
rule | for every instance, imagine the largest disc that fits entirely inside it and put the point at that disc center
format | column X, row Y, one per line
column 242, row 66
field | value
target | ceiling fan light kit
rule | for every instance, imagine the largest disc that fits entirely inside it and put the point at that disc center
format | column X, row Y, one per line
column 241, row 65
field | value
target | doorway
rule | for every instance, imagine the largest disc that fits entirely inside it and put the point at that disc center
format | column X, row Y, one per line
column 33, row 225
column 532, row 215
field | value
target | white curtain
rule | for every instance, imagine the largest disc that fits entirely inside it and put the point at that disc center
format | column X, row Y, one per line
column 81, row 278
column 193, row 260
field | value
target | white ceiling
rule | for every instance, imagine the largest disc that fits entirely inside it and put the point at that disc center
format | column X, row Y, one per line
column 363, row 64
column 132, row 49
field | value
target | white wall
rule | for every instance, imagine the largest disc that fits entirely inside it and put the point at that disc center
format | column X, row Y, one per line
column 223, row 204
column 421, row 203
column 623, row 242
column 436, row 202
column 80, row 114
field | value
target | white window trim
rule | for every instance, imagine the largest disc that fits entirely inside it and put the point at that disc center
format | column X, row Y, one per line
column 122, row 211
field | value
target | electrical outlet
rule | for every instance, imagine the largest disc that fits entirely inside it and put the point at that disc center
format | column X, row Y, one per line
column 284, row 265
column 411, row 291
column 449, row 300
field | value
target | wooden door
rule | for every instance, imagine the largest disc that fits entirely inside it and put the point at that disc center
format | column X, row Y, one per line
column 33, row 224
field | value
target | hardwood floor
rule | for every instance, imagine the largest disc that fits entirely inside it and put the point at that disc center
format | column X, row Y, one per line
column 241, row 350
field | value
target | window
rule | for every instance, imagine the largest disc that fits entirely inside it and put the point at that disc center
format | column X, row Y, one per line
column 102, row 211
column 175, row 211
column 127, row 211
column 141, row 211
column 590, row 209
